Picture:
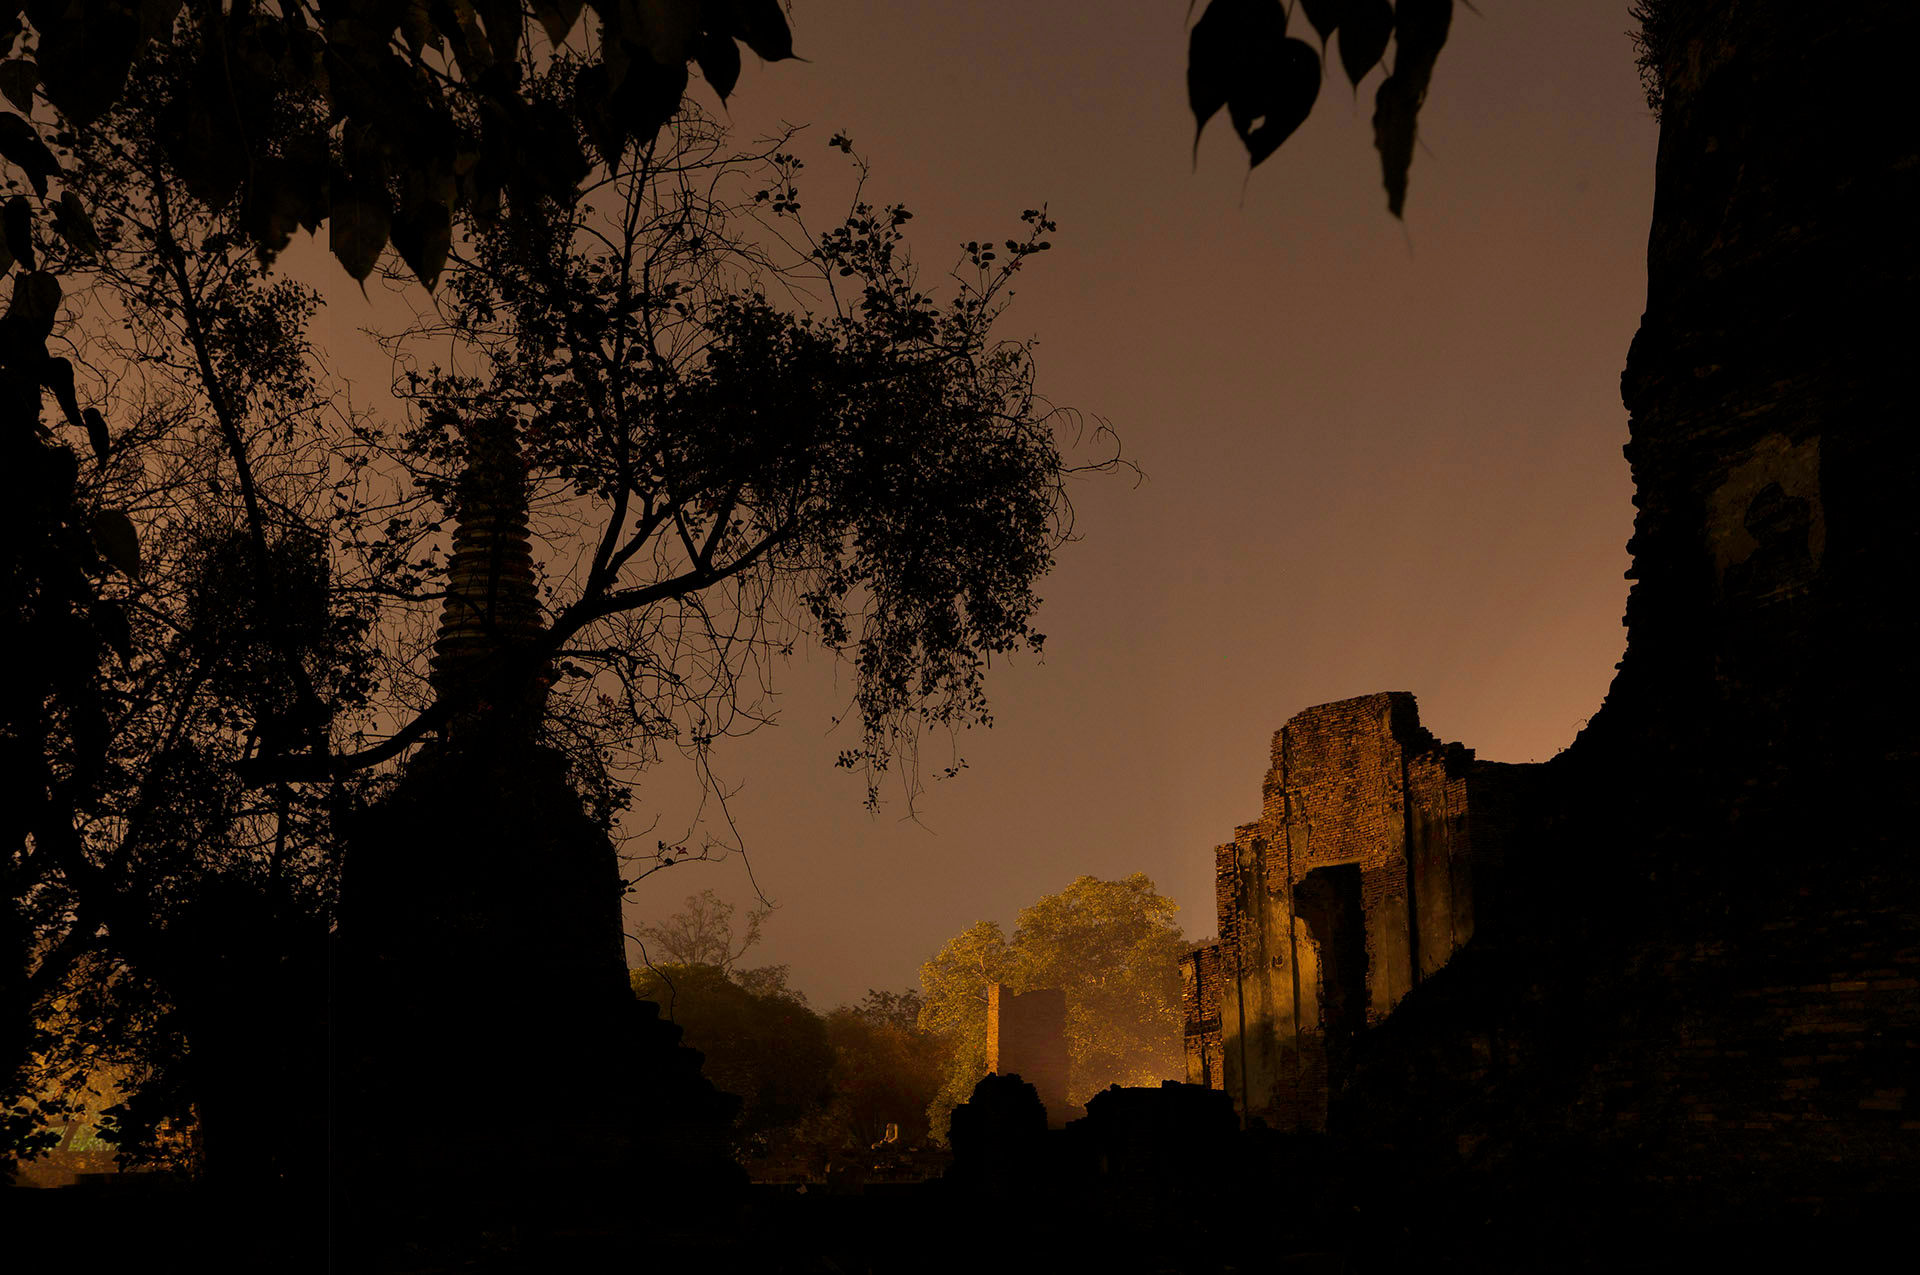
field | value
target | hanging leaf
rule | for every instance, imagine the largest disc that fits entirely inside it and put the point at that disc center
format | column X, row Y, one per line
column 21, row 146
column 1365, row 28
column 57, row 375
column 761, row 25
column 203, row 142
column 71, row 220
column 504, row 23
column 84, row 61
column 649, row 96
column 1324, row 16
column 1239, row 55
column 417, row 29
column 593, row 104
column 29, row 319
column 306, row 176
column 423, row 234
column 1269, row 113
column 97, row 436
column 1211, row 56
column 18, row 79
column 558, row 17
column 19, row 230
column 667, row 28
column 471, row 49
column 719, row 59
column 1231, row 56
column 1395, row 108
column 110, row 622
column 276, row 202
column 1419, row 31
column 358, row 226
column 113, row 535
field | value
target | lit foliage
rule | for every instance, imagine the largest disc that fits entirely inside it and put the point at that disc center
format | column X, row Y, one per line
column 1115, row 949
column 1240, row 56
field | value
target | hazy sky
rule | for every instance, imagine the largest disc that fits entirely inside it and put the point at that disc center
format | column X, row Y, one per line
column 1377, row 457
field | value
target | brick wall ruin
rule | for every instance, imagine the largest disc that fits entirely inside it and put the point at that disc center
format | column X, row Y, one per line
column 1370, row 865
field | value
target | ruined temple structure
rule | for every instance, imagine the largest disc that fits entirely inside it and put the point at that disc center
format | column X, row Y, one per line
column 1378, row 852
column 493, row 1068
column 1027, row 1037
column 1668, row 981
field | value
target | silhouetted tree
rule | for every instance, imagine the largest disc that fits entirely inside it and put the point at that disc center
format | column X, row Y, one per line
column 887, row 1069
column 700, row 933
column 222, row 610
column 763, row 1045
column 183, row 591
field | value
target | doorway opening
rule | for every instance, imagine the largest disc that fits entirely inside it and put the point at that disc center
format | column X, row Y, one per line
column 1328, row 900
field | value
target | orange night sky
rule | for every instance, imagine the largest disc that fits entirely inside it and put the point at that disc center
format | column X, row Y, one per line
column 1377, row 457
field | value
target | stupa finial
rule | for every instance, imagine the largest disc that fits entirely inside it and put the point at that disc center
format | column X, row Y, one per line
column 492, row 605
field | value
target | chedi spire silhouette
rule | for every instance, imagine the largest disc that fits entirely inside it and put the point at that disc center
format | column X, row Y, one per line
column 491, row 612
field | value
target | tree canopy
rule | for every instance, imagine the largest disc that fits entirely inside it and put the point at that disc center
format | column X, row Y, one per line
column 812, row 1085
column 739, row 429
column 763, row 1045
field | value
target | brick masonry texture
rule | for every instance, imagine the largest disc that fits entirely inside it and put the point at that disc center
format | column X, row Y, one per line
column 1365, row 872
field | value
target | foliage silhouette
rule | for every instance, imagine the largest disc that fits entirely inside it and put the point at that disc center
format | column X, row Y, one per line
column 220, row 609
column 1239, row 56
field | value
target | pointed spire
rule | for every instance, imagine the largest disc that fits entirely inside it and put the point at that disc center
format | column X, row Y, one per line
column 492, row 605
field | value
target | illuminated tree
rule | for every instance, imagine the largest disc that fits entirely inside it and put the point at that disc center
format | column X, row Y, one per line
column 1115, row 949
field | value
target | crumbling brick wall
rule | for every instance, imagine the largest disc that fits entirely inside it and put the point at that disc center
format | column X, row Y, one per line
column 1357, row 881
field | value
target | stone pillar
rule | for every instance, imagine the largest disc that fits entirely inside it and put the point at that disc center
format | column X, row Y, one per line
column 1027, row 1037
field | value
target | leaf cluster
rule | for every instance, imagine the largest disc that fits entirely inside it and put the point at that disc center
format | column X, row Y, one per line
column 1239, row 56
column 394, row 121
